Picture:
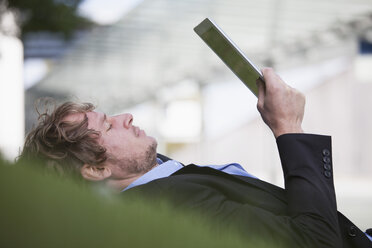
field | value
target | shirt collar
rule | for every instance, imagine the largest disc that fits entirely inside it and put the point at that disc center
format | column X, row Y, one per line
column 162, row 170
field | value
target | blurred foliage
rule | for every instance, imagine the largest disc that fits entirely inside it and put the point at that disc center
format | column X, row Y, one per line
column 44, row 210
column 49, row 15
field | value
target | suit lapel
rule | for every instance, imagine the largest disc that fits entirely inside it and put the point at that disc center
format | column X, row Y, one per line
column 270, row 188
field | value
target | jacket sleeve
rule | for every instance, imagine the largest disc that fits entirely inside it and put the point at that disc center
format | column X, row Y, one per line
column 308, row 175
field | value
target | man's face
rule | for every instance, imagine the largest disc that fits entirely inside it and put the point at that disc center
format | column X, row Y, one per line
column 129, row 150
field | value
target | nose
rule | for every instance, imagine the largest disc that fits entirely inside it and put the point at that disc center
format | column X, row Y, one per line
column 122, row 120
column 127, row 120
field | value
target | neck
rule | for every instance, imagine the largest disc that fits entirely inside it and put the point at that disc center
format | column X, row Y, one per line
column 121, row 183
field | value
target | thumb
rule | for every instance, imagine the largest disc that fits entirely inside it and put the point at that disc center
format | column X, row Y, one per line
column 261, row 92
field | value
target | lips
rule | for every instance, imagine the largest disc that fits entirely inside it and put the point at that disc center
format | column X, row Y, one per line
column 137, row 131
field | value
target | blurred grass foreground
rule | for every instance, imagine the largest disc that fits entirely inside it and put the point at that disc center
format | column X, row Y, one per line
column 45, row 210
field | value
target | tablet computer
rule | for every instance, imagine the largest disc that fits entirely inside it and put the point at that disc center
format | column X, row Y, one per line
column 229, row 53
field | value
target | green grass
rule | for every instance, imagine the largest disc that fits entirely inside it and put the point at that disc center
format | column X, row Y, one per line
column 40, row 210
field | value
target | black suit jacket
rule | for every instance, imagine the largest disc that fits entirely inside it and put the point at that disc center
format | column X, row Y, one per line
column 304, row 214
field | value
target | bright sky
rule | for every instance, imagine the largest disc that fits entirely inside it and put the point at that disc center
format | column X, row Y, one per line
column 107, row 11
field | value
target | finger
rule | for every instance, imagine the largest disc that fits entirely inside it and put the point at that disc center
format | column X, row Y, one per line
column 269, row 77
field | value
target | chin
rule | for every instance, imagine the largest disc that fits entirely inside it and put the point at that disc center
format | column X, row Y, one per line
column 153, row 141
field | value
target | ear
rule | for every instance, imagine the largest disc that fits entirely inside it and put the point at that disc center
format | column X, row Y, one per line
column 95, row 173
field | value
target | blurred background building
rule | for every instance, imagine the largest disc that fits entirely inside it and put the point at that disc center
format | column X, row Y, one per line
column 143, row 57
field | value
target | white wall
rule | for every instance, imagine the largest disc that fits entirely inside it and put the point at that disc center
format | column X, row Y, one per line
column 11, row 96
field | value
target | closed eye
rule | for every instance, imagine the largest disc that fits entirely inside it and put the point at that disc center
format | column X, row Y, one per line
column 109, row 127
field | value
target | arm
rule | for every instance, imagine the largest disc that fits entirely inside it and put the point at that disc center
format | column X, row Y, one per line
column 309, row 184
column 306, row 159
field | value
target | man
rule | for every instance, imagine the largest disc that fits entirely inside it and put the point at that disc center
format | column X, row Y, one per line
column 112, row 150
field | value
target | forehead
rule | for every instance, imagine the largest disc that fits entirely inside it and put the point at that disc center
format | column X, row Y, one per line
column 95, row 119
column 76, row 117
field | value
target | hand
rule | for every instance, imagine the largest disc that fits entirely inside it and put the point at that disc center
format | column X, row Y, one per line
column 281, row 107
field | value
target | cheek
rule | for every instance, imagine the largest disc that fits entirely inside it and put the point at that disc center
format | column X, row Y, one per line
column 117, row 143
column 110, row 143
column 123, row 144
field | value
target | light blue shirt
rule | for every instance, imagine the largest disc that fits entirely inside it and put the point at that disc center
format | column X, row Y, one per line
column 369, row 237
column 171, row 166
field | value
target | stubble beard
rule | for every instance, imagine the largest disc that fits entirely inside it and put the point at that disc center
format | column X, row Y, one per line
column 139, row 163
